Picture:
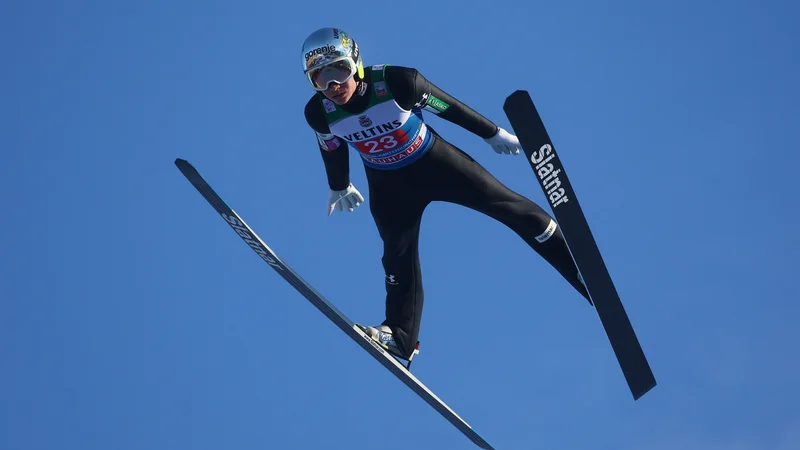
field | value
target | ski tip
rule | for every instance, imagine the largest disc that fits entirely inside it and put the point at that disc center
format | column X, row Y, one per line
column 184, row 166
column 187, row 169
column 514, row 98
column 518, row 93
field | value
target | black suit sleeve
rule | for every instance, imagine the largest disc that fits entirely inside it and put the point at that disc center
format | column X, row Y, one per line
column 414, row 91
column 334, row 151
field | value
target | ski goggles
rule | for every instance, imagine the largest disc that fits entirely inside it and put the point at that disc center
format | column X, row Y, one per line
column 338, row 71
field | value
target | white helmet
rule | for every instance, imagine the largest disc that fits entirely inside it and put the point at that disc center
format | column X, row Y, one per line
column 331, row 56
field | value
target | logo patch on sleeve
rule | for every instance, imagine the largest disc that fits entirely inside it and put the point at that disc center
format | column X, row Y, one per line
column 380, row 89
column 328, row 142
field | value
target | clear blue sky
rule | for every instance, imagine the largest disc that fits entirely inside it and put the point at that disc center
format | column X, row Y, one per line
column 133, row 318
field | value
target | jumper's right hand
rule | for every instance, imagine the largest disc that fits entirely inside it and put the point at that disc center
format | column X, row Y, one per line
column 345, row 200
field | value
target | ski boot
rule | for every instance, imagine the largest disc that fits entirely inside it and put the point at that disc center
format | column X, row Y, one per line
column 382, row 335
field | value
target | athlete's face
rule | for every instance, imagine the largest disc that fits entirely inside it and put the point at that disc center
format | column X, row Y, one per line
column 341, row 93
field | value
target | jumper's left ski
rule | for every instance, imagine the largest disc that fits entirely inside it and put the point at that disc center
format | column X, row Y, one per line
column 340, row 320
column 556, row 186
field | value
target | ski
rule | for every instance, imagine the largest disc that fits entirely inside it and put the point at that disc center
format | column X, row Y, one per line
column 555, row 184
column 323, row 305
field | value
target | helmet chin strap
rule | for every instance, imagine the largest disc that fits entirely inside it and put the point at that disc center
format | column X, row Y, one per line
column 361, row 88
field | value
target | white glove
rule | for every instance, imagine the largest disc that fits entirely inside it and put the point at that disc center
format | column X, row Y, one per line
column 504, row 142
column 347, row 198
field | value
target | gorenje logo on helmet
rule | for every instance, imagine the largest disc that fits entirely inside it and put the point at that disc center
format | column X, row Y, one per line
column 320, row 51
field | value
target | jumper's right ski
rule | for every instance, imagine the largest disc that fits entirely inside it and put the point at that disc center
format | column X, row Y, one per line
column 555, row 184
column 340, row 320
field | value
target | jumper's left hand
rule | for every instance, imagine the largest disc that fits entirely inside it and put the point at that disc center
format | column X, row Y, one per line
column 504, row 142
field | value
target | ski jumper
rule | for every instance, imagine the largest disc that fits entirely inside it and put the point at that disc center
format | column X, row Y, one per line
column 408, row 166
